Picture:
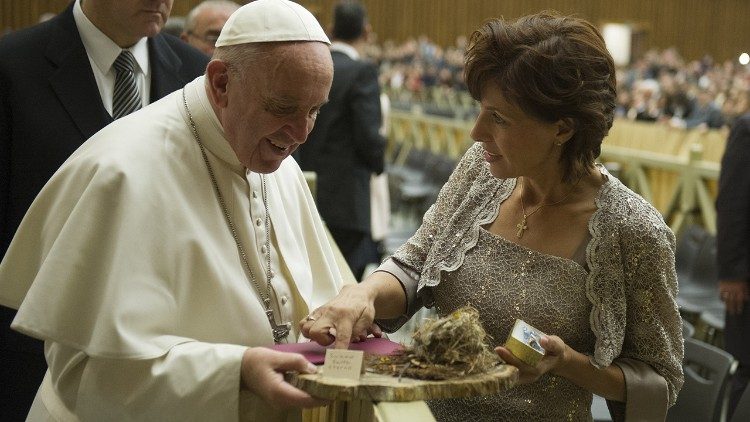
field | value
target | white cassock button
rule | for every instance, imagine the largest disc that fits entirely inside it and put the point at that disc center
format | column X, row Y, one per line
column 284, row 300
column 272, row 274
column 255, row 194
column 258, row 222
column 263, row 249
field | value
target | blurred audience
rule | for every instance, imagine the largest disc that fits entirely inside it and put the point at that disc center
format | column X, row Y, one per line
column 659, row 87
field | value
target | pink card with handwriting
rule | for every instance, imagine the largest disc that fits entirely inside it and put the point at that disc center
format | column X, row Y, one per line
column 316, row 353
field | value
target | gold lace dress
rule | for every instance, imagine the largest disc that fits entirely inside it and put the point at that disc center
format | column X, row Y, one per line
column 620, row 309
column 505, row 281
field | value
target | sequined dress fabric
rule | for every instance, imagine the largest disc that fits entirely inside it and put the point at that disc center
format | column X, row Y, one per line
column 505, row 281
column 623, row 307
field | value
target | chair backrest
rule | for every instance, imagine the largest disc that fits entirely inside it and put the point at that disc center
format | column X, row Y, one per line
column 689, row 245
column 707, row 369
column 742, row 411
column 688, row 329
column 706, row 270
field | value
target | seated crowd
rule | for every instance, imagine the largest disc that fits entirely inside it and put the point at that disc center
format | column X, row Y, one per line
column 660, row 86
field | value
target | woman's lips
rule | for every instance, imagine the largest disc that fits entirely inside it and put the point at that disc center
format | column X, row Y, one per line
column 490, row 157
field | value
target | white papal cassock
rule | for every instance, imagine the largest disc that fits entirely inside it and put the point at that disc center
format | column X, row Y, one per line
column 125, row 267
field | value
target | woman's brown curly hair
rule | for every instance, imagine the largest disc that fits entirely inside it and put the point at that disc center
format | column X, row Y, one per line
column 553, row 67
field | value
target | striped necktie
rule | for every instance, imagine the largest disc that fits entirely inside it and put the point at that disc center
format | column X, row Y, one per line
column 126, row 98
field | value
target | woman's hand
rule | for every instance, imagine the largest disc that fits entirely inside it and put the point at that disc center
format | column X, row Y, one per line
column 346, row 318
column 262, row 372
column 557, row 355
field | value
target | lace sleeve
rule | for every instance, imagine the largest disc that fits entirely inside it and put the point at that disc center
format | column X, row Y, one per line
column 414, row 252
column 653, row 328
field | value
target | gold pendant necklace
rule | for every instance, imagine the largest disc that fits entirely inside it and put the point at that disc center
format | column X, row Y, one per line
column 522, row 226
column 280, row 331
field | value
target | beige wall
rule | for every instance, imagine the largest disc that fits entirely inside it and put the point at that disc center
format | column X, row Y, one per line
column 17, row 14
column 695, row 27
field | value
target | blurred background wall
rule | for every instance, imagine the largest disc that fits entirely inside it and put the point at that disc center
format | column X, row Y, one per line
column 695, row 27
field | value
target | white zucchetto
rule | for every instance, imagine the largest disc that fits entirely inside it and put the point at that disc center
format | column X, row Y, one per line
column 271, row 21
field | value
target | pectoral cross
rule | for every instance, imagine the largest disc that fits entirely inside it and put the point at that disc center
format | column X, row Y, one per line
column 521, row 227
column 280, row 331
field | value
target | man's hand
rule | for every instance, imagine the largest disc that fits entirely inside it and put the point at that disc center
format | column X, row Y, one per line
column 346, row 318
column 262, row 373
column 734, row 293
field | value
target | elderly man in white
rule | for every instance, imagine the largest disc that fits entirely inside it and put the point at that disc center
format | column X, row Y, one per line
column 179, row 240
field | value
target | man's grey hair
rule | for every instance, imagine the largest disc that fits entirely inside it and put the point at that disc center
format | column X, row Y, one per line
column 242, row 57
column 221, row 5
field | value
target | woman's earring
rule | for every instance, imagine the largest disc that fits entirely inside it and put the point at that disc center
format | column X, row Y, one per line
column 558, row 143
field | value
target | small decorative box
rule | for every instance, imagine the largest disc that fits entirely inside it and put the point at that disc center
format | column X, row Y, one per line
column 524, row 342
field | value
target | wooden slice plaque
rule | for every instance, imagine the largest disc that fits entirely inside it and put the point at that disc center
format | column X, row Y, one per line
column 378, row 387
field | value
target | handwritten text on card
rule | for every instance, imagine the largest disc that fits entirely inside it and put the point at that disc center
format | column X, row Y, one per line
column 343, row 363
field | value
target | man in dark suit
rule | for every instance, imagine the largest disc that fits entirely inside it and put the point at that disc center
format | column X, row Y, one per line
column 733, row 250
column 345, row 147
column 56, row 90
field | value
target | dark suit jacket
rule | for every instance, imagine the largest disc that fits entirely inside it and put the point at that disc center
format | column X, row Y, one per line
column 345, row 147
column 49, row 105
column 733, row 204
column 733, row 234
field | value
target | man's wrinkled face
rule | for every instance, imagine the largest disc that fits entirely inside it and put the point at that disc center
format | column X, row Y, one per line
column 271, row 110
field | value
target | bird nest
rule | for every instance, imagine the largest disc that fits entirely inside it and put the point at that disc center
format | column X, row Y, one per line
column 444, row 348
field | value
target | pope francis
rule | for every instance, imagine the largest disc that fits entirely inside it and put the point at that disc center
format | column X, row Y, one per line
column 179, row 239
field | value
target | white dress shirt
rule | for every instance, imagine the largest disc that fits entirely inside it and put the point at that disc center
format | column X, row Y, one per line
column 345, row 48
column 103, row 52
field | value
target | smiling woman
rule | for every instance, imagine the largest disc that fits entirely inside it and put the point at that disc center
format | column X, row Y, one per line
column 557, row 80
column 529, row 228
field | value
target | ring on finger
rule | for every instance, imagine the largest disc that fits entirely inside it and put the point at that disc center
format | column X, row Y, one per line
column 310, row 318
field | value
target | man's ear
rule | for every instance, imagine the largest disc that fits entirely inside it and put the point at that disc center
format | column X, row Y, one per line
column 566, row 128
column 217, row 80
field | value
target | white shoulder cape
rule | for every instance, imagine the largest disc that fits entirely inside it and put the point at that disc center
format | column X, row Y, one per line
column 125, row 252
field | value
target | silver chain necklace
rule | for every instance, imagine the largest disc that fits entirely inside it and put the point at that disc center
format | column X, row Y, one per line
column 280, row 331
